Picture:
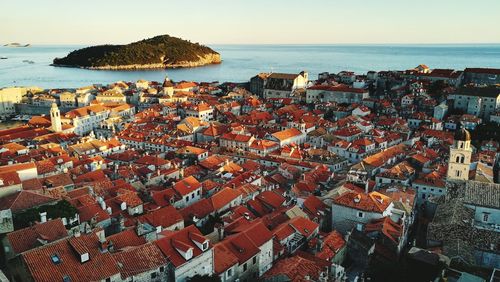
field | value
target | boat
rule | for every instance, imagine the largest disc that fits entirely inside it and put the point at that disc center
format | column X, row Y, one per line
column 15, row 44
column 3, row 58
column 28, row 61
column 16, row 118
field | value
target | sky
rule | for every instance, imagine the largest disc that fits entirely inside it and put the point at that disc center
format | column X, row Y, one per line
column 251, row 21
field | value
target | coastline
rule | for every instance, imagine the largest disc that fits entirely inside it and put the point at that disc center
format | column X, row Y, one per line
column 208, row 59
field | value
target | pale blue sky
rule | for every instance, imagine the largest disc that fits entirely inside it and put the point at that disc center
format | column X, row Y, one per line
column 251, row 21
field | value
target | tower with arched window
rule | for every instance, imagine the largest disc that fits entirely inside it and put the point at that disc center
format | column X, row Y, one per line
column 55, row 118
column 460, row 155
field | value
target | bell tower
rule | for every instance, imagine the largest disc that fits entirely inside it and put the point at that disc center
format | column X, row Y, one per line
column 55, row 118
column 460, row 156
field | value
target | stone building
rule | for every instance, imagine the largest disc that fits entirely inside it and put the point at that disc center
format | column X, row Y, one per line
column 482, row 76
column 460, row 156
column 478, row 101
column 282, row 85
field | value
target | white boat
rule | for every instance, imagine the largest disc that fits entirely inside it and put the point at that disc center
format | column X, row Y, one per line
column 16, row 118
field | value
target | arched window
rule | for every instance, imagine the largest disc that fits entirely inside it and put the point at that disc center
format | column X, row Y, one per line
column 462, row 159
column 458, row 159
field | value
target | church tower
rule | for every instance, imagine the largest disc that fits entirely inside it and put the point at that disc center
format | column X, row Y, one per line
column 168, row 87
column 55, row 118
column 460, row 156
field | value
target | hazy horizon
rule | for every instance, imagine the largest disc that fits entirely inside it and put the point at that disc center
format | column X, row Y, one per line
column 233, row 22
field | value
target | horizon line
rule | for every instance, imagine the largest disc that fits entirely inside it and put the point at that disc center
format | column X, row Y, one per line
column 285, row 44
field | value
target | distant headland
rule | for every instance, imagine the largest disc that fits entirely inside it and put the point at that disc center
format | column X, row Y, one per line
column 159, row 52
column 15, row 44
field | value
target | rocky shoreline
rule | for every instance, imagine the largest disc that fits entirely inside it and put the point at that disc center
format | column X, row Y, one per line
column 208, row 59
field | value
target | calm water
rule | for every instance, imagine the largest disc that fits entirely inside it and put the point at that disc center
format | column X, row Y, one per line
column 240, row 62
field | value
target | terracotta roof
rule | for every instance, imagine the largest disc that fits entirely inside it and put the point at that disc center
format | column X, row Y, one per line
column 304, row 226
column 26, row 239
column 186, row 185
column 313, row 206
column 224, row 197
column 32, row 184
column 223, row 258
column 24, row 200
column 9, row 178
column 385, row 226
column 126, row 238
column 63, row 179
column 483, row 70
column 241, row 246
column 287, row 134
column 332, row 243
column 271, row 198
column 175, row 239
column 162, row 198
column 236, row 137
column 287, row 76
column 54, row 262
column 84, row 111
column 88, row 212
column 295, row 269
column 164, row 217
column 200, row 209
column 372, row 202
column 139, row 259
column 17, row 167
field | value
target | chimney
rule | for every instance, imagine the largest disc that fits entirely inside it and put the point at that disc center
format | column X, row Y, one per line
column 76, row 232
column 111, row 247
column 103, row 204
column 122, row 222
column 319, row 244
column 43, row 217
column 220, row 231
column 101, row 236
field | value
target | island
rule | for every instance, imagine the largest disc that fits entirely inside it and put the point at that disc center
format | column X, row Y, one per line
column 15, row 44
column 159, row 52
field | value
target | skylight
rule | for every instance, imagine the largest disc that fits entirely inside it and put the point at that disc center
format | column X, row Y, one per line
column 55, row 259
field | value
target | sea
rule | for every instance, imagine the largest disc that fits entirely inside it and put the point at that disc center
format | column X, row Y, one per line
column 30, row 66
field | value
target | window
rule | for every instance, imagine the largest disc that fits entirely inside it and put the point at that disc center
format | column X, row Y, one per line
column 192, row 196
column 245, row 267
column 108, row 279
column 162, row 268
column 230, row 272
column 486, row 216
column 254, row 260
column 153, row 275
column 360, row 214
column 187, row 198
column 55, row 259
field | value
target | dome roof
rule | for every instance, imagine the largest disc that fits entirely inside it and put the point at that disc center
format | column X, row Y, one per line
column 462, row 135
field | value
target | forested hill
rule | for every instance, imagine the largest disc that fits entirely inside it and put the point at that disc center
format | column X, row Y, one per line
column 162, row 51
